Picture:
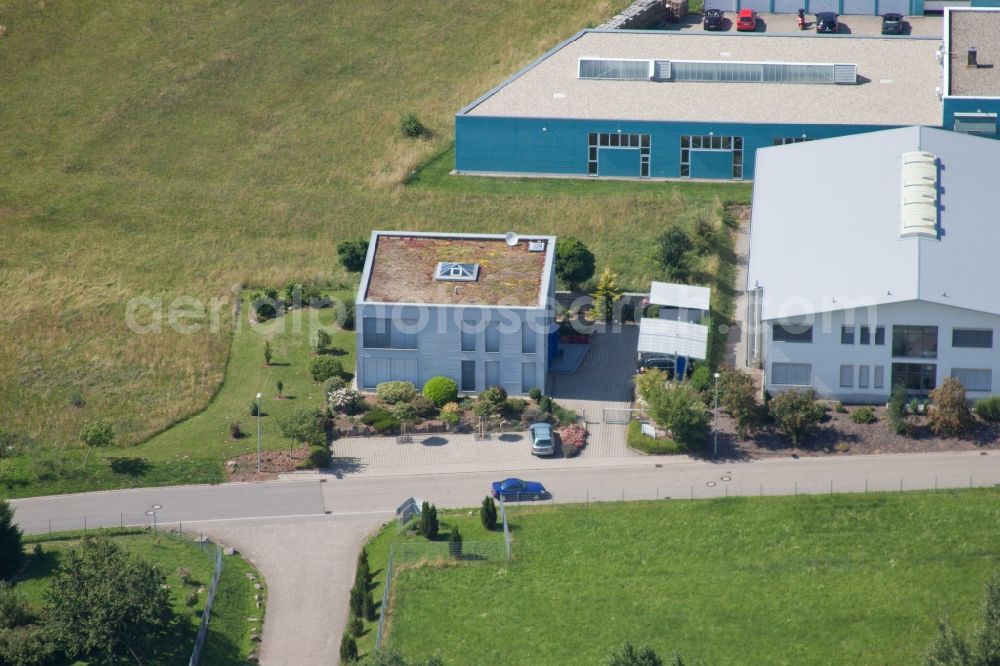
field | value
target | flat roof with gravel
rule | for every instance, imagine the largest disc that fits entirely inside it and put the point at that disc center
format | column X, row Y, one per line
column 405, row 268
column 897, row 78
column 979, row 29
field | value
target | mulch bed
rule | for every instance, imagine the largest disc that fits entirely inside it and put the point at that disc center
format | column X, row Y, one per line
column 839, row 435
column 273, row 463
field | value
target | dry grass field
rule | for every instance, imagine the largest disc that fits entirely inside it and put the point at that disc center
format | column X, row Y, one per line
column 175, row 150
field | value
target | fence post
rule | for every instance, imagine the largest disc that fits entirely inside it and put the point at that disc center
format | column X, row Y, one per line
column 831, row 486
column 180, row 528
column 50, row 526
column 866, row 486
column 121, row 522
column 84, row 525
column 761, row 488
column 692, row 492
column 900, row 484
column 935, row 484
column 623, row 494
column 588, row 492
column 796, row 491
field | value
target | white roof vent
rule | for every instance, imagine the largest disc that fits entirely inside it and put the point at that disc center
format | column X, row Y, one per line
column 919, row 195
column 455, row 272
column 536, row 246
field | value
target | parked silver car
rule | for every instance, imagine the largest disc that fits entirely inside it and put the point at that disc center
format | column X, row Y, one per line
column 542, row 442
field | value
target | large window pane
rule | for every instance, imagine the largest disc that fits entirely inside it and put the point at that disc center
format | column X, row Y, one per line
column 493, row 336
column 791, row 374
column 968, row 337
column 847, row 376
column 847, row 335
column 862, row 376
column 792, row 333
column 914, row 377
column 375, row 333
column 468, row 336
column 468, row 376
column 527, row 338
column 404, row 334
column 914, row 341
column 527, row 377
column 866, row 336
column 974, row 380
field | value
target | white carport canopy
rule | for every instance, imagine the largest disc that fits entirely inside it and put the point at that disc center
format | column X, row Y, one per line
column 679, row 295
column 677, row 338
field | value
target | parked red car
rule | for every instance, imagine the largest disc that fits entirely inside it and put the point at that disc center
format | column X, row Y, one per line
column 747, row 21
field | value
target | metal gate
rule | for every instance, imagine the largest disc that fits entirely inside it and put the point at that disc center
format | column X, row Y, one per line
column 724, row 5
column 859, row 7
column 619, row 416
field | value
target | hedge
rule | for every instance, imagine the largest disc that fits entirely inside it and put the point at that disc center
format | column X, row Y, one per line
column 642, row 442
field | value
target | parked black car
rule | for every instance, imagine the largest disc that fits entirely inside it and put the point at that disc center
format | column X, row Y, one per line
column 827, row 22
column 714, row 19
column 892, row 24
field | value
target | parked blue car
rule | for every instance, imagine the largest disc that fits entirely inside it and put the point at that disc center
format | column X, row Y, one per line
column 515, row 490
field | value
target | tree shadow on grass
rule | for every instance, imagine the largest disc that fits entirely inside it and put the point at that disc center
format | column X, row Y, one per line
column 131, row 466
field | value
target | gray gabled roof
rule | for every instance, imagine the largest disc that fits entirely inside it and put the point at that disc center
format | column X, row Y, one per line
column 825, row 227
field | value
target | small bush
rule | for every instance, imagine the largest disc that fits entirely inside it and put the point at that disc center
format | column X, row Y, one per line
column 381, row 420
column 98, row 432
column 348, row 648
column 333, row 384
column 842, row 447
column 897, row 411
column 570, row 451
column 573, row 435
column 265, row 304
column 701, row 379
column 319, row 457
column 797, row 414
column 494, row 394
column 515, row 406
column 545, row 404
column 347, row 401
column 349, row 313
column 864, row 415
column 254, row 408
column 322, row 341
column 642, row 442
column 441, row 390
column 411, row 127
column 451, row 413
column 305, row 425
column 428, row 525
column 235, row 430
column 840, row 408
column 192, row 599
column 738, row 396
column 564, row 416
column 185, row 575
column 488, row 513
column 535, row 393
column 988, row 409
column 353, row 253
column 532, row 414
column 951, row 415
column 323, row 367
column 392, row 392
column 424, row 406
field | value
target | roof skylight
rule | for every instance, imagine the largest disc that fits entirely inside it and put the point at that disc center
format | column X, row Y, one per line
column 456, row 272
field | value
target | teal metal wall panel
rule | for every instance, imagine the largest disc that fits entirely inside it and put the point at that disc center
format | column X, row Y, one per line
column 618, row 162
column 985, row 3
column 559, row 146
column 715, row 164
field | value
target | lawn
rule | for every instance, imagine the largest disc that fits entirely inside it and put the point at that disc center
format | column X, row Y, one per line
column 853, row 579
column 228, row 640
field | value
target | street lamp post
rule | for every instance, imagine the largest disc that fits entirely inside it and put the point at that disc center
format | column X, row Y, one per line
column 715, row 441
column 258, row 433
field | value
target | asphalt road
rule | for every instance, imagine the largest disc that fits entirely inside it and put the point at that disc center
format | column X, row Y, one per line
column 304, row 533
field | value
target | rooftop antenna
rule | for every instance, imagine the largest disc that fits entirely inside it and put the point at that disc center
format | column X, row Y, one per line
column 511, row 238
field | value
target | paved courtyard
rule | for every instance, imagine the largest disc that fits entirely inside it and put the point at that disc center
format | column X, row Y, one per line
column 603, row 381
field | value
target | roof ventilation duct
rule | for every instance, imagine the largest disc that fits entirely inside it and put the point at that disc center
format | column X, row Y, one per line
column 919, row 195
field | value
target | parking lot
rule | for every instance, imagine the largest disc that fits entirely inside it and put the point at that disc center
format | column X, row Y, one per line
column 916, row 26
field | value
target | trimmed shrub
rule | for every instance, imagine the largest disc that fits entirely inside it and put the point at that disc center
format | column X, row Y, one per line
column 323, row 367
column 319, row 457
column 738, row 396
column 322, row 341
column 988, row 409
column 235, row 430
column 455, row 543
column 573, row 435
column 348, row 648
column 349, row 313
column 381, row 420
column 441, row 390
column 451, row 413
column 951, row 415
column 428, row 524
column 254, row 409
column 864, row 415
column 796, row 413
column 840, row 408
column 352, row 254
column 515, row 406
column 535, row 393
column 642, row 442
column 574, row 262
column 346, row 400
column 98, row 432
column 701, row 379
column 545, row 404
column 265, row 304
column 355, row 626
column 392, row 392
column 488, row 513
column 897, row 411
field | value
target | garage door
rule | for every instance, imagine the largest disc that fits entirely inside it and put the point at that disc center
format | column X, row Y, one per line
column 817, row 6
column 788, row 6
column 724, row 5
column 859, row 7
column 618, row 162
column 897, row 6
column 759, row 6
